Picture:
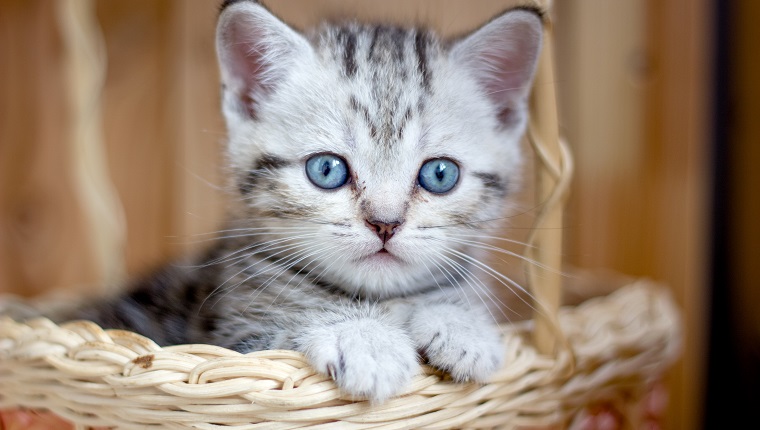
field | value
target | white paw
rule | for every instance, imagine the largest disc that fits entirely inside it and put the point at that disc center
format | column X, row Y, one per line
column 457, row 340
column 366, row 357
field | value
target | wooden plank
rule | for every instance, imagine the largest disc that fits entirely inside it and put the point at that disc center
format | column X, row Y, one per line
column 633, row 79
column 678, row 136
column 199, row 192
column 137, row 123
column 41, row 222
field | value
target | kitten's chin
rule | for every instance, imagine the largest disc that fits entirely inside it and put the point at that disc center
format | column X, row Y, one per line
column 378, row 275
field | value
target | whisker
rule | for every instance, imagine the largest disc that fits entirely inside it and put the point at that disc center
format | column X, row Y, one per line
column 334, row 250
column 534, row 208
column 488, row 247
column 296, row 258
column 504, row 280
column 242, row 235
column 259, row 247
column 227, row 289
column 488, row 237
column 478, row 287
column 216, row 233
column 288, row 264
column 449, row 277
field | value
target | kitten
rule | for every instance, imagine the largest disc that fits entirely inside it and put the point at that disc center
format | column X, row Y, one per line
column 366, row 158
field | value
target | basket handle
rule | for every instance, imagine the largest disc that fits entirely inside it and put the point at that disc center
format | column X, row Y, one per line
column 85, row 64
column 553, row 174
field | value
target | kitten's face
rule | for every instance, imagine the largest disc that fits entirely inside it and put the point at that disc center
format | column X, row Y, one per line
column 370, row 154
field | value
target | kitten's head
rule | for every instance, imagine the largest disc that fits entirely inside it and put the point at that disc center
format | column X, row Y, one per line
column 368, row 153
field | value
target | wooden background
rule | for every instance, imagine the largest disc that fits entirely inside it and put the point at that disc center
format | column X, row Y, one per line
column 634, row 80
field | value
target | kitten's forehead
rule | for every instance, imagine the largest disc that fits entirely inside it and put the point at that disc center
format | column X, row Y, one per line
column 393, row 51
column 386, row 74
column 383, row 99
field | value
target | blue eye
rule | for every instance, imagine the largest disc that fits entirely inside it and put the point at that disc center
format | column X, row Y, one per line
column 327, row 171
column 439, row 175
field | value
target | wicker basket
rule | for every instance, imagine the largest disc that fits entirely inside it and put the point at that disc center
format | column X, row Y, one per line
column 622, row 344
column 607, row 350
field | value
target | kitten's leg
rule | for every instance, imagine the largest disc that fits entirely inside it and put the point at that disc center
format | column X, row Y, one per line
column 363, row 350
column 460, row 339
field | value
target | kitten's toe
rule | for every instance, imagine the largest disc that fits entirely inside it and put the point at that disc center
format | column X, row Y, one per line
column 470, row 349
column 366, row 357
column 476, row 361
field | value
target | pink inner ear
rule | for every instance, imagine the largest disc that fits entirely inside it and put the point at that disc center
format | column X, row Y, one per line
column 509, row 72
column 506, row 83
column 503, row 57
column 245, row 64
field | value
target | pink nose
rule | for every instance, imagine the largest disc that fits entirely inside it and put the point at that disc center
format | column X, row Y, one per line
column 385, row 230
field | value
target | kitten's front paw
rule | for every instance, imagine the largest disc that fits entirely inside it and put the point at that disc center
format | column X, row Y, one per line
column 461, row 342
column 366, row 357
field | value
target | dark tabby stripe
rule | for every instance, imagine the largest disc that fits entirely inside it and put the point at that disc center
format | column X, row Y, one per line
column 420, row 48
column 402, row 124
column 357, row 107
column 387, row 35
column 271, row 162
column 347, row 39
column 266, row 162
column 493, row 182
column 399, row 37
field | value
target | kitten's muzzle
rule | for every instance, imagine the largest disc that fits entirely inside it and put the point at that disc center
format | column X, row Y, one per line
column 384, row 229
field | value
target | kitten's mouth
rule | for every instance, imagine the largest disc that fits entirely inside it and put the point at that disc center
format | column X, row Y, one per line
column 382, row 256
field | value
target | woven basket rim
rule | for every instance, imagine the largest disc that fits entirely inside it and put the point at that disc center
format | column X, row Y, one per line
column 624, row 340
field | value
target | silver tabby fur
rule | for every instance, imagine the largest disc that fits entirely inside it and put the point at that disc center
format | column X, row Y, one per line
column 303, row 268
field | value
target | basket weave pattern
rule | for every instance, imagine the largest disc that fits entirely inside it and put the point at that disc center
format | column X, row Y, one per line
column 117, row 378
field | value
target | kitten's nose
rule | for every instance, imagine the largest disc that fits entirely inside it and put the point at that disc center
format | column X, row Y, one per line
column 384, row 229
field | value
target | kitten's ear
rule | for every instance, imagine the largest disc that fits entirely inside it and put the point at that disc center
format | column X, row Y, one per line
column 502, row 56
column 255, row 51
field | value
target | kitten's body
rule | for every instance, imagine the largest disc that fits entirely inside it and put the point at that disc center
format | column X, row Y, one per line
column 364, row 276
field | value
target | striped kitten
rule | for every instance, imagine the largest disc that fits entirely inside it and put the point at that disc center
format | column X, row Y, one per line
column 366, row 158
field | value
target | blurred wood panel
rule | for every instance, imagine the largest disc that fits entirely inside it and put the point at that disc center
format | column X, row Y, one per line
column 198, row 160
column 162, row 136
column 41, row 222
column 678, row 133
column 448, row 17
column 138, row 122
column 163, row 123
column 634, row 90
column 601, row 48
